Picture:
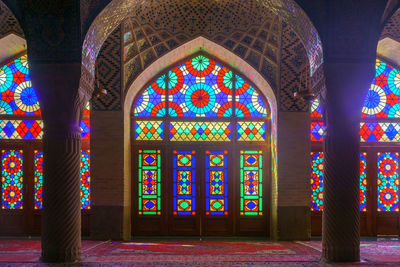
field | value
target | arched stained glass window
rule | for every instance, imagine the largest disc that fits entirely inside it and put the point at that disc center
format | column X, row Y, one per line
column 200, row 87
column 17, row 94
column 200, row 133
column 21, row 120
column 382, row 100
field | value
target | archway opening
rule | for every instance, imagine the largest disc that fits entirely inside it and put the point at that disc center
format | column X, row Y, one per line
column 201, row 153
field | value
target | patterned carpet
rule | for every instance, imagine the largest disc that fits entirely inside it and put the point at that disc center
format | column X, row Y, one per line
column 199, row 253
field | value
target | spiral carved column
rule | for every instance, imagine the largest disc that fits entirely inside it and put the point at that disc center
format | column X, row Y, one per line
column 61, row 219
column 347, row 84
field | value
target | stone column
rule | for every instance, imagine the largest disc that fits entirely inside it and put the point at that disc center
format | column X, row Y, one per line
column 57, row 85
column 347, row 83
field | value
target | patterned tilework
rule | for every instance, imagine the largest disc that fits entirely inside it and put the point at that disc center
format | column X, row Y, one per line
column 317, row 131
column 294, row 72
column 245, row 28
column 108, row 67
column 189, row 131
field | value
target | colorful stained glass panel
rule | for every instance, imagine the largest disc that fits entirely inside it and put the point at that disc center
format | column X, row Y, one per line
column 379, row 132
column 317, row 169
column 363, row 181
column 184, row 180
column 316, row 109
column 85, row 179
column 388, row 181
column 151, row 102
column 21, row 129
column 251, row 182
column 249, row 103
column 382, row 99
column 200, row 87
column 189, row 131
column 18, row 97
column 12, row 179
column 217, row 182
column 38, row 178
column 317, row 131
column 149, row 182
column 149, row 130
column 251, row 131
column 85, row 129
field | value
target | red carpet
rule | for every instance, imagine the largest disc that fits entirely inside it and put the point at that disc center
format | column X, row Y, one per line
column 198, row 253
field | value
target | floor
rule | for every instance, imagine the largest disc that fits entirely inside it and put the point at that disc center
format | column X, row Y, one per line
column 374, row 252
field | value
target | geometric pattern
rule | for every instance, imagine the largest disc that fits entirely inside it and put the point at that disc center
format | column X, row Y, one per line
column 363, row 181
column 149, row 182
column 200, row 87
column 216, row 183
column 295, row 71
column 149, row 130
column 317, row 131
column 85, row 129
column 108, row 73
column 382, row 100
column 38, row 179
column 251, row 131
column 316, row 109
column 17, row 94
column 251, row 182
column 379, row 132
column 256, row 39
column 200, row 131
column 84, row 179
column 184, row 182
column 317, row 169
column 12, row 179
column 388, row 181
column 21, row 129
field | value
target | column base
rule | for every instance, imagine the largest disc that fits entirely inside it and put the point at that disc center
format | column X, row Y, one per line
column 70, row 255
column 341, row 254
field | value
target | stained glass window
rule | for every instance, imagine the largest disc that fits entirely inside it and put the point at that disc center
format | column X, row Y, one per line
column 85, row 179
column 200, row 87
column 251, row 130
column 151, row 102
column 317, row 184
column 251, row 182
column 17, row 94
column 21, row 129
column 379, row 132
column 316, row 109
column 363, row 181
column 216, row 183
column 12, row 179
column 382, row 99
column 248, row 102
column 200, row 131
column 149, row 182
column 317, row 169
column 388, row 181
column 38, row 179
column 149, row 130
column 317, row 131
column 85, row 129
column 184, row 179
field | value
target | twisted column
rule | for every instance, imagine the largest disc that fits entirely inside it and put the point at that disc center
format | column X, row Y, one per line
column 341, row 216
column 61, row 218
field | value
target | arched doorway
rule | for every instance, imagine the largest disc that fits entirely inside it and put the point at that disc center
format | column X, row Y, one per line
column 200, row 153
